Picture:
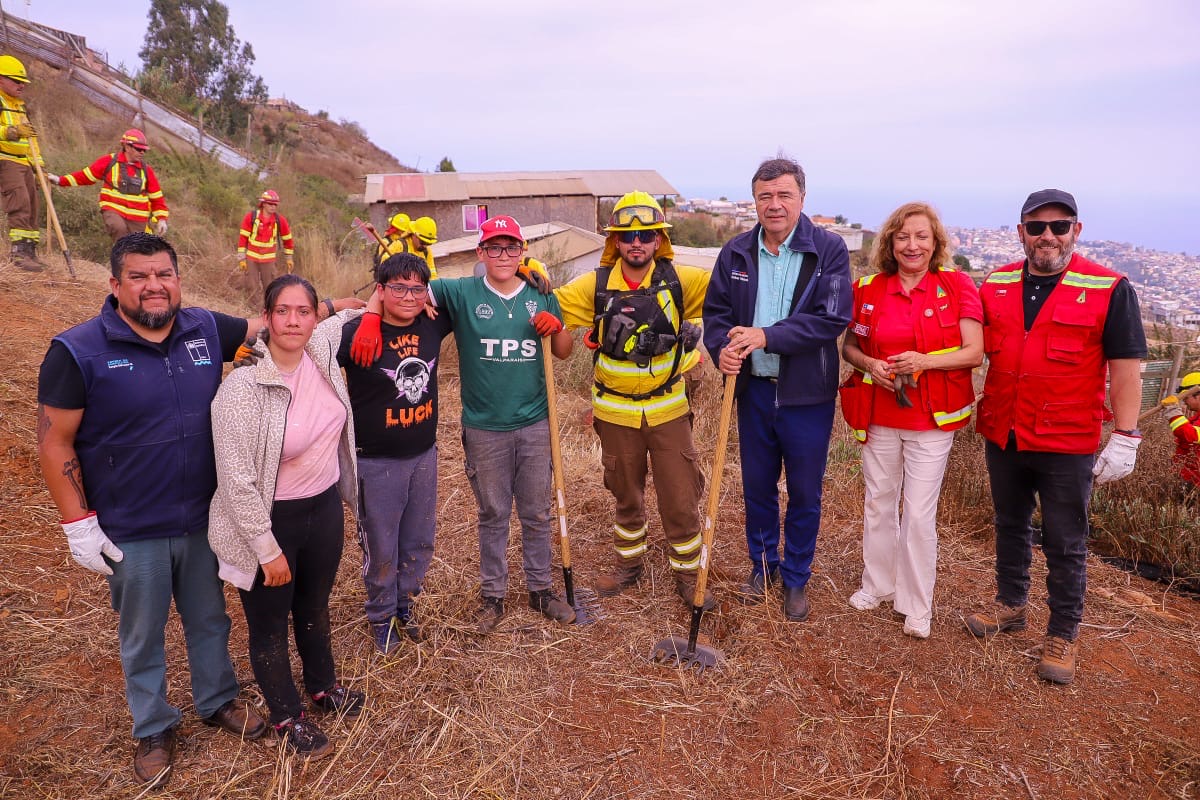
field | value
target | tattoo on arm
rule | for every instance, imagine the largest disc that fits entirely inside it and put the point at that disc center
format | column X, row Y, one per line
column 74, row 475
column 43, row 424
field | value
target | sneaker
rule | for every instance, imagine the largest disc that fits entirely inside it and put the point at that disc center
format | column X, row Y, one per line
column 340, row 700
column 862, row 601
column 1058, row 660
column 304, row 738
column 917, row 627
column 491, row 610
column 550, row 606
column 1000, row 618
column 153, row 756
column 623, row 576
column 409, row 626
column 754, row 588
column 386, row 637
column 685, row 587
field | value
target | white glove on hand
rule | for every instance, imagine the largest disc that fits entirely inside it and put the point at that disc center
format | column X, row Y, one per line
column 161, row 228
column 88, row 542
column 52, row 178
column 1173, row 410
column 1117, row 458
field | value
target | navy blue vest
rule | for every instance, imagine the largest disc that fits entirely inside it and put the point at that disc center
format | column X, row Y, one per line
column 145, row 442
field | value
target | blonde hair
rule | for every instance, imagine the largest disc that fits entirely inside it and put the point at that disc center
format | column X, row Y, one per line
column 883, row 258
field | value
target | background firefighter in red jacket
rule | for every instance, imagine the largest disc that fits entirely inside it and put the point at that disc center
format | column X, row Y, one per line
column 261, row 230
column 131, row 201
column 1185, row 426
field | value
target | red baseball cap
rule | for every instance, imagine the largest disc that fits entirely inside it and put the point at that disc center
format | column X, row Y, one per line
column 500, row 226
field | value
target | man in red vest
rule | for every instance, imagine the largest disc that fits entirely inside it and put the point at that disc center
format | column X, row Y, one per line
column 1055, row 326
column 261, row 230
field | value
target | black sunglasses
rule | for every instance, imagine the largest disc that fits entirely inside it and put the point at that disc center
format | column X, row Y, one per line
column 1059, row 227
column 644, row 236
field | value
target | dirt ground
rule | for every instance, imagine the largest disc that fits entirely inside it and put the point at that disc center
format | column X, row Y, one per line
column 841, row 706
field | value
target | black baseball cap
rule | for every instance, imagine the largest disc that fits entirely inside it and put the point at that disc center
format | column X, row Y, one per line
column 1046, row 197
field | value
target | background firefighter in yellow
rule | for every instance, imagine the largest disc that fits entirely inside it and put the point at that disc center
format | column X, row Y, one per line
column 424, row 235
column 263, row 229
column 16, row 174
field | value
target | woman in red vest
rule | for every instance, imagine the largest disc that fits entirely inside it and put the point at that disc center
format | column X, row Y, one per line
column 916, row 334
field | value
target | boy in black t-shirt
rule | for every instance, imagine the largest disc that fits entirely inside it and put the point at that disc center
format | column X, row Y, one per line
column 395, row 406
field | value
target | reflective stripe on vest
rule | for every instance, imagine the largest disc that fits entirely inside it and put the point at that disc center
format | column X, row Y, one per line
column 13, row 151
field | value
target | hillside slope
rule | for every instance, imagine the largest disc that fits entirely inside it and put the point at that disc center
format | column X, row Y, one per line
column 842, row 706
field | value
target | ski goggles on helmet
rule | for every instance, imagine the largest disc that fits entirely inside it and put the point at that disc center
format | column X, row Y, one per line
column 646, row 215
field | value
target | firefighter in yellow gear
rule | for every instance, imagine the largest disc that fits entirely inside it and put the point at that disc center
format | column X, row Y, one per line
column 396, row 236
column 423, row 235
column 637, row 304
column 16, row 172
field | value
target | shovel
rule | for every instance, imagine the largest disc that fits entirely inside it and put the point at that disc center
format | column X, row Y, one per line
column 586, row 600
column 675, row 651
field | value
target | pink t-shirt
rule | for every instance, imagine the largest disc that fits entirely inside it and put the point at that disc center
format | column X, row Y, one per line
column 315, row 418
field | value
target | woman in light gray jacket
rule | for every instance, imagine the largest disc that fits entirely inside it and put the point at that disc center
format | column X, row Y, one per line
column 284, row 445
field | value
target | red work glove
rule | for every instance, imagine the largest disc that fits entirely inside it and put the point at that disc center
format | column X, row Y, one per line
column 368, row 341
column 545, row 323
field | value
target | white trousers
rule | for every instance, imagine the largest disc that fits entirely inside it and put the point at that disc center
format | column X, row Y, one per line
column 900, row 551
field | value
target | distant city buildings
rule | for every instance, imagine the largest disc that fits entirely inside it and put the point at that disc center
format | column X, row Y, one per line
column 743, row 212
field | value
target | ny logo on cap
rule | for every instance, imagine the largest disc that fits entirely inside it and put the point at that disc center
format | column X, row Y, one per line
column 500, row 223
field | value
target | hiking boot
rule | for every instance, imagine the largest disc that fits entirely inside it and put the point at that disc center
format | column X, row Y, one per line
column 998, row 619
column 623, row 576
column 795, row 603
column 409, row 626
column 1058, row 660
column 685, row 587
column 153, row 756
column 550, row 606
column 304, row 738
column 340, row 700
column 754, row 588
column 491, row 610
column 386, row 637
column 238, row 718
column 24, row 255
column 917, row 627
column 862, row 601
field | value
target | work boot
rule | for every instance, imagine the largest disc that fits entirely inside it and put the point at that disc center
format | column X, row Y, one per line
column 795, row 603
column 754, row 588
column 544, row 601
column 685, row 587
column 1058, row 660
column 624, row 576
column 491, row 610
column 237, row 717
column 153, row 756
column 998, row 619
column 24, row 255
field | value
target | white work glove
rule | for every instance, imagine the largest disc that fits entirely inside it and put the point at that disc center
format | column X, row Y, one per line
column 1171, row 405
column 87, row 541
column 52, row 178
column 1116, row 459
column 161, row 228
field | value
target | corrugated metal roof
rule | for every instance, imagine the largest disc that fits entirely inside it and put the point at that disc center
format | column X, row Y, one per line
column 430, row 186
column 569, row 241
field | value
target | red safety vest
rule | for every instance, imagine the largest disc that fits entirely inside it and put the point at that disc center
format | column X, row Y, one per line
column 1047, row 384
column 948, row 394
column 257, row 237
column 1187, row 447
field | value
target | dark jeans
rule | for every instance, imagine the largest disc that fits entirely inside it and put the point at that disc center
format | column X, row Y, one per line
column 309, row 531
column 1063, row 484
column 794, row 439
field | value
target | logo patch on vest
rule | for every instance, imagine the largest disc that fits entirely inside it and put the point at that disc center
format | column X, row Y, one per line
column 120, row 363
column 862, row 330
column 1082, row 297
column 198, row 350
column 531, row 307
column 1001, row 292
column 484, row 311
column 868, row 309
column 739, row 275
column 941, row 292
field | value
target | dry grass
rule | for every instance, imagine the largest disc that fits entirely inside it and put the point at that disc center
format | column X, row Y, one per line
column 843, row 706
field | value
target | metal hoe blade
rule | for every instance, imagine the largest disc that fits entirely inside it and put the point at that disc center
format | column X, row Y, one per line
column 677, row 651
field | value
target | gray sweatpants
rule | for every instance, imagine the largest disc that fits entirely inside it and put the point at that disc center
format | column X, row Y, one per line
column 397, row 505
column 503, row 467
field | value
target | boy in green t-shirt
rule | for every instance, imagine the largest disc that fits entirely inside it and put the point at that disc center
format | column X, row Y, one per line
column 499, row 321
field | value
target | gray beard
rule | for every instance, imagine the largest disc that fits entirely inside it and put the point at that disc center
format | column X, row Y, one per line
column 152, row 320
column 1052, row 266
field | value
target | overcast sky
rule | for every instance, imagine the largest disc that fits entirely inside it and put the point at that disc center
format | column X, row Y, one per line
column 969, row 105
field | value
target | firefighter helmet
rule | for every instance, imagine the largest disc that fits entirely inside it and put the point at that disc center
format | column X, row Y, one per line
column 637, row 211
column 401, row 222
column 269, row 196
column 425, row 229
column 136, row 139
column 11, row 67
column 1189, row 380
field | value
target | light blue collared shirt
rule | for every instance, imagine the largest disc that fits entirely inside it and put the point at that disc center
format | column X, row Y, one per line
column 777, row 276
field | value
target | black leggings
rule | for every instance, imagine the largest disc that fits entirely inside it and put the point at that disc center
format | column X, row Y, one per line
column 309, row 531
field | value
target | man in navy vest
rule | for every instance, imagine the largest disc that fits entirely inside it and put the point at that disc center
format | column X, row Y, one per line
column 126, row 449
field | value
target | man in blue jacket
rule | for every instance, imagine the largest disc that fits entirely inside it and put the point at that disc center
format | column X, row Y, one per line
column 778, row 301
